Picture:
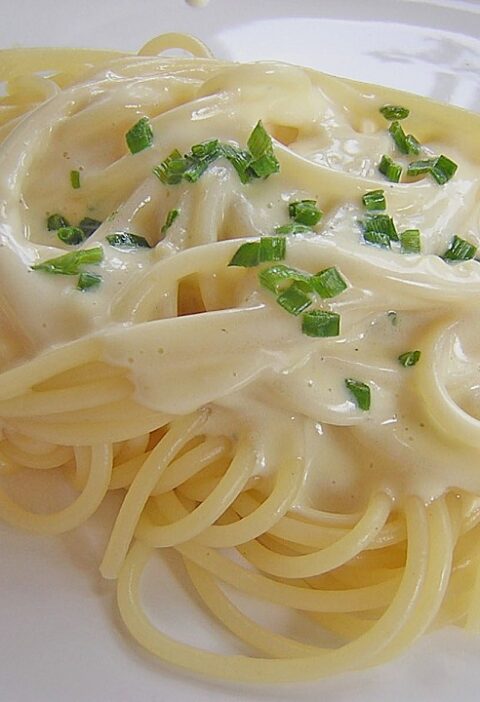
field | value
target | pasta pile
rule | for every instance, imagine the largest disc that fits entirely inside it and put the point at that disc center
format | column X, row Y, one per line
column 232, row 293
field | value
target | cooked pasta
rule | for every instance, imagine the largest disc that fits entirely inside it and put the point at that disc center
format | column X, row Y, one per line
column 244, row 296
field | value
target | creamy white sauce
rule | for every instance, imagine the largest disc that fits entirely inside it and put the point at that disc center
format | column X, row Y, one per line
column 246, row 357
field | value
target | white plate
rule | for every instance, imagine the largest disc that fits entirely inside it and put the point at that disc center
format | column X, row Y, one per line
column 60, row 637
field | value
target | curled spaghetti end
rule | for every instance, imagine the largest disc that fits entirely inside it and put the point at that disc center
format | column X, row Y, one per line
column 173, row 40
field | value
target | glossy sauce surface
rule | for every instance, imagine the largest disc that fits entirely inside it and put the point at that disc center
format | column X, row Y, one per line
column 233, row 348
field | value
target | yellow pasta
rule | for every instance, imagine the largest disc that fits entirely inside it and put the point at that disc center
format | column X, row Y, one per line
column 264, row 333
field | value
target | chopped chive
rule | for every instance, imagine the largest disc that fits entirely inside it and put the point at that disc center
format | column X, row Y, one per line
column 171, row 170
column 305, row 212
column 169, row 220
column 264, row 161
column 393, row 317
column 377, row 239
column 75, row 179
column 259, row 141
column 380, row 224
column 420, row 167
column 443, row 169
column 196, row 168
column 328, row 283
column 71, row 235
column 200, row 158
column 293, row 228
column 320, row 323
column 251, row 253
column 88, row 280
column 459, row 250
column 405, row 144
column 55, row 221
column 69, row 264
column 414, row 146
column 409, row 358
column 140, row 136
column 247, row 256
column 294, row 299
column 399, row 137
column 410, row 241
column 190, row 167
column 272, row 248
column 258, row 161
column 240, row 160
column 89, row 226
column 391, row 170
column 275, row 277
column 265, row 166
column 206, row 149
column 392, row 112
column 374, row 200
column 127, row 240
column 360, row 392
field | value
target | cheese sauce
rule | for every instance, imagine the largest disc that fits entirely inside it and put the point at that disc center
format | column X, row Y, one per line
column 233, row 348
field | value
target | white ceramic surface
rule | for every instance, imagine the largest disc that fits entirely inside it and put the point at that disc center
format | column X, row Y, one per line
column 60, row 637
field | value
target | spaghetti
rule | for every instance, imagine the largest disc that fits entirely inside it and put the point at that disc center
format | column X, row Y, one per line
column 245, row 296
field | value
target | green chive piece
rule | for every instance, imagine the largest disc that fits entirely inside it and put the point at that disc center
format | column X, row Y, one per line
column 247, row 256
column 258, row 161
column 272, row 248
column 190, row 167
column 55, row 221
column 392, row 112
column 320, row 323
column 380, row 224
column 409, row 358
column 206, row 149
column 86, row 281
column 75, row 179
column 413, row 145
column 171, row 170
column 140, row 136
column 240, row 160
column 399, row 137
column 293, row 228
column 374, row 200
column 275, row 277
column 71, row 235
column 328, row 283
column 305, row 212
column 443, row 169
column 89, row 226
column 195, row 169
column 170, row 219
column 251, row 253
column 405, row 144
column 459, row 250
column 69, row 264
column 360, row 392
column 294, row 299
column 410, row 241
column 127, row 240
column 391, row 170
column 200, row 158
column 420, row 167
column 264, row 161
column 377, row 239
